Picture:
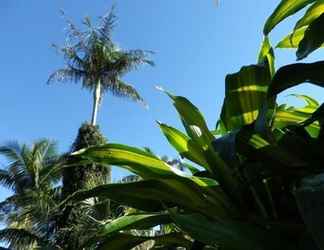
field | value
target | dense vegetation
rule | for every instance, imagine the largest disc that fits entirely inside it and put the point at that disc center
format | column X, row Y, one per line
column 241, row 186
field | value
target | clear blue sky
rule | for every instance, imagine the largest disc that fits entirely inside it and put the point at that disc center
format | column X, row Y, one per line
column 196, row 43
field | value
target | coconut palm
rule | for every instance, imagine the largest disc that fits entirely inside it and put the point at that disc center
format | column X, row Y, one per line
column 94, row 60
column 29, row 176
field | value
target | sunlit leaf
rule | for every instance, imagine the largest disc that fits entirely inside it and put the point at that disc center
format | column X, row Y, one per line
column 198, row 131
column 128, row 241
column 184, row 145
column 134, row 221
column 293, row 39
column 288, row 115
column 311, row 14
column 245, row 92
column 285, row 9
column 138, row 161
column 266, row 55
column 149, row 195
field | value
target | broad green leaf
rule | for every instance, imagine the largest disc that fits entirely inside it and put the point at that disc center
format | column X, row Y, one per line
column 284, row 118
column 133, row 194
column 192, row 120
column 129, row 222
column 184, row 145
column 122, row 242
column 313, row 38
column 266, row 55
column 149, row 195
column 128, row 241
column 291, row 75
column 136, row 160
column 286, row 115
column 311, row 14
column 258, row 142
column 190, row 167
column 311, row 103
column 198, row 131
column 230, row 235
column 293, row 39
column 134, row 221
column 285, row 9
column 245, row 92
column 317, row 115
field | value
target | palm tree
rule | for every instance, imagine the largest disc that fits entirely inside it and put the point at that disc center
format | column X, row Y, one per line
column 30, row 177
column 94, row 60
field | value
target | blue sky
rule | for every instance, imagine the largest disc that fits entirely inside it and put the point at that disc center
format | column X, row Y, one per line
column 196, row 44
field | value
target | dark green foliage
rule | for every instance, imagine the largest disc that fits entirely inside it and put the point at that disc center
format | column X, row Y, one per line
column 77, row 178
column 291, row 75
column 72, row 220
column 313, row 38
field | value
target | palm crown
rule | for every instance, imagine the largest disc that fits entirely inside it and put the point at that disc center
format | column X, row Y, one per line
column 94, row 60
column 29, row 175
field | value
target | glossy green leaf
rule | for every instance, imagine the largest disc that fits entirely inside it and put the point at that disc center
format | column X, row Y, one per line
column 133, row 194
column 136, row 160
column 317, row 115
column 266, row 55
column 293, row 39
column 311, row 103
column 285, row 9
column 288, row 115
column 198, row 131
column 291, row 75
column 190, row 167
column 313, row 38
column 245, row 92
column 192, row 120
column 134, row 221
column 149, row 195
column 230, row 235
column 311, row 14
column 128, row 241
column 184, row 145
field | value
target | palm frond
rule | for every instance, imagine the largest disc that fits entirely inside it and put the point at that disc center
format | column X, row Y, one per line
column 11, row 151
column 19, row 238
column 121, row 89
column 6, row 179
column 108, row 22
column 66, row 75
column 126, row 61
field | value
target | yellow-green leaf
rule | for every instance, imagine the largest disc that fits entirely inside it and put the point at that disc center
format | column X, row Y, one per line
column 245, row 92
column 285, row 9
column 311, row 14
column 184, row 145
column 293, row 39
column 266, row 55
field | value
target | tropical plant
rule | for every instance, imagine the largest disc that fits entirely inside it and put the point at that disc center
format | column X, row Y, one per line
column 244, row 194
column 94, row 60
column 99, row 65
column 30, row 177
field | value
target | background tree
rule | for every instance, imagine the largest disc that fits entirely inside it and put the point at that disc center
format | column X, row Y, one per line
column 94, row 60
column 29, row 175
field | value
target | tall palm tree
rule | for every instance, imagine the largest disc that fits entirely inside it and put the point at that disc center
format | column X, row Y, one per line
column 94, row 60
column 30, row 177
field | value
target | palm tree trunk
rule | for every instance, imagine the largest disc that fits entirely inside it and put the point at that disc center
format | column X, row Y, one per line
column 96, row 103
